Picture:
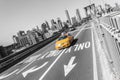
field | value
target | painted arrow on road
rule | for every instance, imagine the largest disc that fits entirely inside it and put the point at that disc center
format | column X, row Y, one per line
column 70, row 66
column 33, row 69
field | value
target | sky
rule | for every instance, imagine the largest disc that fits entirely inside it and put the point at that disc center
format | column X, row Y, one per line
column 16, row 15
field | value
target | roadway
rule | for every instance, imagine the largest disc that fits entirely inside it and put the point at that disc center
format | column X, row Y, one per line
column 74, row 63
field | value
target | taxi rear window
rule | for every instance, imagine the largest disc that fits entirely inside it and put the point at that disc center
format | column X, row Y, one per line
column 62, row 37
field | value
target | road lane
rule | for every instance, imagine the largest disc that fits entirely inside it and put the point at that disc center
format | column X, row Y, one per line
column 39, row 60
column 36, row 74
column 80, row 61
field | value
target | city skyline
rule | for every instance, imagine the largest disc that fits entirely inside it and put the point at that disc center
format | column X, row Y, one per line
column 25, row 15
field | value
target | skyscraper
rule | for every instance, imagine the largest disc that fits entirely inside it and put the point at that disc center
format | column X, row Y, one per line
column 47, row 25
column 21, row 33
column 53, row 23
column 31, row 37
column 78, row 15
column 23, row 38
column 59, row 22
column 74, row 20
column 68, row 17
column 15, row 39
column 44, row 28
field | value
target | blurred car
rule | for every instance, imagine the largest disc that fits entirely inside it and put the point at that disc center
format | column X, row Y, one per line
column 71, row 29
column 64, row 41
column 55, row 33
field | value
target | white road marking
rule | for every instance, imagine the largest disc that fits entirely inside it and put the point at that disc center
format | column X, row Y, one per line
column 87, row 44
column 33, row 69
column 83, row 28
column 18, row 71
column 53, row 53
column 44, row 74
column 25, row 67
column 76, row 47
column 32, row 62
column 7, row 75
column 95, row 74
column 82, row 46
column 68, row 50
column 32, row 58
column 78, row 33
column 42, row 57
column 70, row 66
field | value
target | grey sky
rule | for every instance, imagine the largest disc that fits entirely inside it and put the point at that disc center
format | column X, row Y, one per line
column 24, row 15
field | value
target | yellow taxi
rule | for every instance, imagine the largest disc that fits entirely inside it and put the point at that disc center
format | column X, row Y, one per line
column 63, row 42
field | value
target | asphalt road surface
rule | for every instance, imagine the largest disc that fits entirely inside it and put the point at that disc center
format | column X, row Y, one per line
column 73, row 63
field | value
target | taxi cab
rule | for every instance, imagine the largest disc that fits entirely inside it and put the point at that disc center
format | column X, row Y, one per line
column 63, row 42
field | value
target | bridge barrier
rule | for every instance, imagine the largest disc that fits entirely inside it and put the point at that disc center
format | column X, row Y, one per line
column 12, row 59
column 110, row 67
column 114, row 32
column 113, row 50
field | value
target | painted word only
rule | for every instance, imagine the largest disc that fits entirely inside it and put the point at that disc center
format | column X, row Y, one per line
column 82, row 46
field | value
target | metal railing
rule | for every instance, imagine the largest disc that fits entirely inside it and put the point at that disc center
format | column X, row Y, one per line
column 114, row 32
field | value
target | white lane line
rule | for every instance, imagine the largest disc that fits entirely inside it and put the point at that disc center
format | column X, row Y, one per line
column 74, row 31
column 95, row 74
column 29, row 64
column 33, row 69
column 42, row 57
column 7, row 75
column 87, row 28
column 79, row 32
column 44, row 74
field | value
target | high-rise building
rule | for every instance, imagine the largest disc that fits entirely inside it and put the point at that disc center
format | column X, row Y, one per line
column 20, row 33
column 117, row 7
column 68, row 16
column 39, row 35
column 59, row 22
column 86, row 11
column 44, row 28
column 38, row 30
column 31, row 37
column 78, row 15
column 23, row 38
column 74, row 20
column 47, row 25
column 15, row 39
column 53, row 24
